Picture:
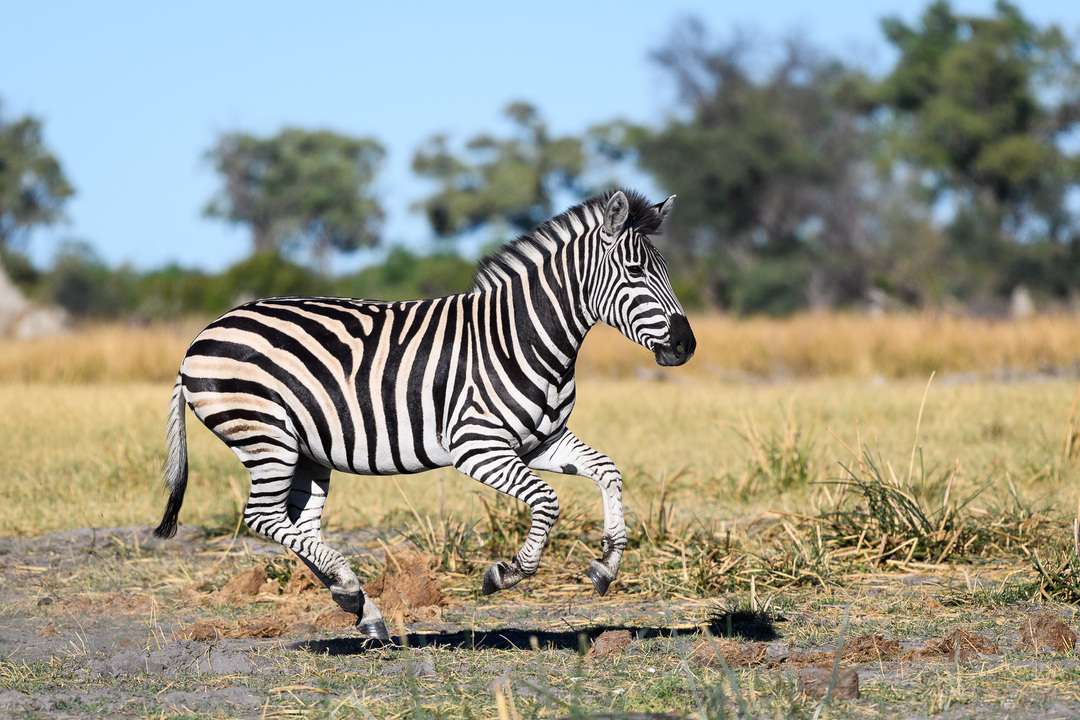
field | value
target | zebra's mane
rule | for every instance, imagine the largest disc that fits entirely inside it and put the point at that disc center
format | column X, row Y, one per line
column 643, row 217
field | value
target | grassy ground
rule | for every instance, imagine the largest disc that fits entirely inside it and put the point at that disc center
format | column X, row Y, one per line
column 825, row 510
column 89, row 455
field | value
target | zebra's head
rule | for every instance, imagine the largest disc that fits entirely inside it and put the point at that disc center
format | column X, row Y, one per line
column 633, row 292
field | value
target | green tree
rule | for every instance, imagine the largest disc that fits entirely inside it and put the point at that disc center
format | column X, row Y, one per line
column 510, row 179
column 982, row 104
column 81, row 283
column 771, row 167
column 300, row 190
column 33, row 191
column 405, row 275
column 33, row 187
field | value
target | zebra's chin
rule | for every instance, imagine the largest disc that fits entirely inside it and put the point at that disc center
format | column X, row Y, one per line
column 668, row 357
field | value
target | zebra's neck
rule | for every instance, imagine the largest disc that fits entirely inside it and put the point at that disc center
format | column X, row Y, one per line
column 536, row 287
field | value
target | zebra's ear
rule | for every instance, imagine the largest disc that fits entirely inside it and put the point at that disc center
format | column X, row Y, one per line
column 663, row 208
column 615, row 213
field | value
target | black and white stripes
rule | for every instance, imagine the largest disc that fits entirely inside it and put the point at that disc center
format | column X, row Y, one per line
column 483, row 381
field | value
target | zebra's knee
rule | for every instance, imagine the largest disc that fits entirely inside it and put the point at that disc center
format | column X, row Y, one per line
column 548, row 507
column 266, row 522
column 609, row 478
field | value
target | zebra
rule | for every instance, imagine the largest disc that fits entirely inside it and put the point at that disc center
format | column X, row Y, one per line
column 482, row 381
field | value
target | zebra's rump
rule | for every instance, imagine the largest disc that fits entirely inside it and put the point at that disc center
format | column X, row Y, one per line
column 363, row 387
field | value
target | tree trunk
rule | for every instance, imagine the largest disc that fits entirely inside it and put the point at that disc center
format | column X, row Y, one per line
column 262, row 239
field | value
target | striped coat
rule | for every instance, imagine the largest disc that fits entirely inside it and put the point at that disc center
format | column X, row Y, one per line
column 482, row 381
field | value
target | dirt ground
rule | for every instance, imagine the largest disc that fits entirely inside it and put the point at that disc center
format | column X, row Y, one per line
column 115, row 623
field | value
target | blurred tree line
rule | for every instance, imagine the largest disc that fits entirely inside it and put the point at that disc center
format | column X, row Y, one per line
column 803, row 181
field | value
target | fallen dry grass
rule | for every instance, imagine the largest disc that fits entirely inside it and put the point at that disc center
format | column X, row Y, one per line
column 803, row 346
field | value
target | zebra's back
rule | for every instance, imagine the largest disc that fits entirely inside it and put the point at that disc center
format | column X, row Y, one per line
column 361, row 386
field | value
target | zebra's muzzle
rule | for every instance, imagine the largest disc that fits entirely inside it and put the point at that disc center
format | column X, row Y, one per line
column 680, row 345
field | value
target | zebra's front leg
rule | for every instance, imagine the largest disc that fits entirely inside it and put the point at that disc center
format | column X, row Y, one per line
column 502, row 469
column 568, row 454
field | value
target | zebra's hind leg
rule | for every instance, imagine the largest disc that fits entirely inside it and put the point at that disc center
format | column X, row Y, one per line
column 287, row 490
column 502, row 469
column 307, row 497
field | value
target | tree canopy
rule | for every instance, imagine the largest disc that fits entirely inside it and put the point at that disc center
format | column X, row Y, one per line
column 768, row 162
column 33, row 186
column 510, row 179
column 300, row 189
column 982, row 105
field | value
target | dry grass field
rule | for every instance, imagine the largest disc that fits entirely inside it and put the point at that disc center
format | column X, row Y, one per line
column 798, row 493
column 804, row 346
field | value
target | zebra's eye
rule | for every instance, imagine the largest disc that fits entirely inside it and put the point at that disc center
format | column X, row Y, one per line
column 635, row 270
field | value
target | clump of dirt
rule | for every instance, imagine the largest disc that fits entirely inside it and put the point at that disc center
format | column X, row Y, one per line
column 408, row 588
column 716, row 652
column 246, row 585
column 860, row 649
column 815, row 682
column 264, row 626
column 1046, row 633
column 302, row 580
column 608, row 643
column 956, row 645
column 336, row 619
column 870, row 648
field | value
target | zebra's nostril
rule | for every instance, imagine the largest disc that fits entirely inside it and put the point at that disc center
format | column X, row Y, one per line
column 680, row 348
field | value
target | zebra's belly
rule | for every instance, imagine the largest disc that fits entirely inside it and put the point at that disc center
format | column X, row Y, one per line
column 381, row 454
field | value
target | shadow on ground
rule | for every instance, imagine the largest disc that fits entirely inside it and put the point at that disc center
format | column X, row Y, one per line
column 741, row 624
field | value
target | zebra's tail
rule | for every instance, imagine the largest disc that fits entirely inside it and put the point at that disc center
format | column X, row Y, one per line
column 175, row 473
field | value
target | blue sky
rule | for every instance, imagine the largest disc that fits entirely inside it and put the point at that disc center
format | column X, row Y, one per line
column 132, row 93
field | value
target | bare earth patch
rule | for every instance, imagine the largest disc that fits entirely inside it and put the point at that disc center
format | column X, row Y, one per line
column 856, row 650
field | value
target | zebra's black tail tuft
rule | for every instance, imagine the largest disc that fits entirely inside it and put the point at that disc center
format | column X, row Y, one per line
column 175, row 473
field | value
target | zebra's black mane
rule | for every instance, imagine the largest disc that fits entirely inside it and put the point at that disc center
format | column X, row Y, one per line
column 643, row 217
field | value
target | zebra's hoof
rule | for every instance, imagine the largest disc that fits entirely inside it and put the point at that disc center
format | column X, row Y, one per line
column 501, row 576
column 374, row 631
column 601, row 577
column 492, row 579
